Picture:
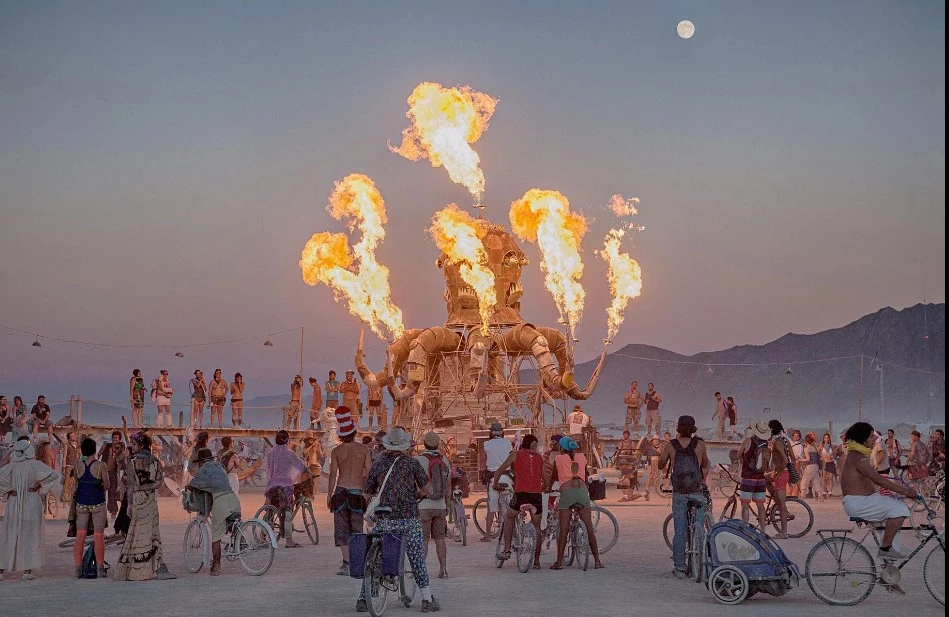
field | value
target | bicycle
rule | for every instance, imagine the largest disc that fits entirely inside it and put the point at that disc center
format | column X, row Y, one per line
column 479, row 510
column 252, row 542
column 113, row 540
column 578, row 542
column 839, row 564
column 302, row 504
column 667, row 525
column 523, row 540
column 548, row 535
column 457, row 518
column 376, row 585
column 800, row 515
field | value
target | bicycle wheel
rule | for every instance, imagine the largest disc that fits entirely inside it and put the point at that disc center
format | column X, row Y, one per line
column 840, row 571
column 581, row 547
column 461, row 522
column 479, row 514
column 800, row 517
column 407, row 585
column 548, row 537
column 919, row 513
column 594, row 514
column 259, row 479
column 67, row 543
column 731, row 507
column 309, row 522
column 934, row 573
column 253, row 546
column 699, row 560
column 270, row 515
column 610, row 524
column 668, row 529
column 498, row 549
column 728, row 584
column 193, row 546
column 525, row 535
column 376, row 594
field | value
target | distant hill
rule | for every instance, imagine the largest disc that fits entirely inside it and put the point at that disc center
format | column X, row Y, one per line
column 817, row 392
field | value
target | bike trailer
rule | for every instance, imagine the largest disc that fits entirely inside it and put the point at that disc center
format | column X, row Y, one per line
column 393, row 553
column 740, row 561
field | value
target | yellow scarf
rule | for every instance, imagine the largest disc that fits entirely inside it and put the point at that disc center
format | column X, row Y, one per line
column 853, row 446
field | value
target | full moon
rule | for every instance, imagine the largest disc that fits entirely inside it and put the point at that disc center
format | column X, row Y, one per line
column 685, row 29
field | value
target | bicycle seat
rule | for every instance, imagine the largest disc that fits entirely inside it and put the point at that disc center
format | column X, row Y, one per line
column 233, row 517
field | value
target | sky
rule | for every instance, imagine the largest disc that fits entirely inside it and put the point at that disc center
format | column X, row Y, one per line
column 163, row 164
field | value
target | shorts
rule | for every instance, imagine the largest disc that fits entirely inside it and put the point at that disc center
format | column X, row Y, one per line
column 533, row 499
column 280, row 497
column 874, row 507
column 98, row 515
column 218, row 401
column 434, row 523
column 752, row 489
column 652, row 417
column 632, row 416
column 781, row 480
column 375, row 403
column 732, row 417
column 574, row 497
column 348, row 508
column 493, row 496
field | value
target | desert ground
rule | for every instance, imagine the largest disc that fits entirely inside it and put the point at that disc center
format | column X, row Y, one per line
column 636, row 580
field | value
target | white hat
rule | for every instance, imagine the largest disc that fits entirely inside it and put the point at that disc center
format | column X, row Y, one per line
column 760, row 429
column 397, row 439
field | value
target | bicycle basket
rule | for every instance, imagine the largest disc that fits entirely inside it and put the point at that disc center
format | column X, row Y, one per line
column 597, row 489
column 358, row 547
column 393, row 554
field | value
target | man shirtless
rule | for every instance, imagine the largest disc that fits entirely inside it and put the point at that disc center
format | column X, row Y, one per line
column 316, row 404
column 292, row 419
column 859, row 482
column 349, row 467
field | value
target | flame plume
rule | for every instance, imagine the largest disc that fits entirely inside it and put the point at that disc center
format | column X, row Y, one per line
column 625, row 278
column 623, row 207
column 328, row 259
column 444, row 121
column 544, row 217
column 459, row 235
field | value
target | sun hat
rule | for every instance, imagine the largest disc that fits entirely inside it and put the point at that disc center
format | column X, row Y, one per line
column 344, row 421
column 432, row 440
column 397, row 440
column 760, row 429
column 568, row 444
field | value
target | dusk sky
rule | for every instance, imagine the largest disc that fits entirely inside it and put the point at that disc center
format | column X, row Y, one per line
column 162, row 165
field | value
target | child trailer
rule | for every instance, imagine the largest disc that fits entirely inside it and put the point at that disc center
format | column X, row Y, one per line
column 740, row 561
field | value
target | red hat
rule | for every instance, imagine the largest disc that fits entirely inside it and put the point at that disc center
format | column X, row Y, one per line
column 344, row 421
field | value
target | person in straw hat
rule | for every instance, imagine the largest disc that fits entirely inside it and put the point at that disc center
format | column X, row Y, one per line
column 401, row 481
column 349, row 466
column 752, row 454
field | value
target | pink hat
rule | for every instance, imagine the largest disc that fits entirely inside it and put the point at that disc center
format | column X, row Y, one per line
column 344, row 421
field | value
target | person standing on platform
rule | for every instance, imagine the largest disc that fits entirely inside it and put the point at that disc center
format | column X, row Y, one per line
column 351, row 395
column 316, row 404
column 634, row 404
column 653, row 419
column 331, row 388
column 237, row 401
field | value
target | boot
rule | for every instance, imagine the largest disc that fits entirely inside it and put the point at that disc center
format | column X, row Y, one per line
column 288, row 530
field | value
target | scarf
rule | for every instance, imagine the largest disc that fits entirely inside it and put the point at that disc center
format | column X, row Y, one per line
column 853, row 446
column 23, row 451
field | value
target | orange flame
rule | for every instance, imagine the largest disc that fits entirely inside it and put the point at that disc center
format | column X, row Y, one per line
column 623, row 207
column 459, row 235
column 327, row 257
column 443, row 122
column 625, row 279
column 544, row 217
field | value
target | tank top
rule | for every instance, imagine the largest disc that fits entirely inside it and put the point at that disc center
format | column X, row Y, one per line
column 89, row 492
column 198, row 389
column 749, row 471
column 812, row 456
column 564, row 464
column 651, row 403
column 528, row 472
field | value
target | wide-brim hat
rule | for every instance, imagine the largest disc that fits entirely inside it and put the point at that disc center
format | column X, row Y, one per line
column 760, row 429
column 397, row 440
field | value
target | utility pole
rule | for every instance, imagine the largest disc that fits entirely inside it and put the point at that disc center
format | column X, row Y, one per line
column 882, row 414
column 860, row 393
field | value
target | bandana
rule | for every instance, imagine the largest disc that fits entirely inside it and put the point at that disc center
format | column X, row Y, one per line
column 23, row 450
column 853, row 446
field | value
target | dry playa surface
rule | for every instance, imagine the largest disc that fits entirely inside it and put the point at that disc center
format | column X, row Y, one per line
column 303, row 581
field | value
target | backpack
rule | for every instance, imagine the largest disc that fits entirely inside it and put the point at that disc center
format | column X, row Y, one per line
column 459, row 478
column 438, row 473
column 154, row 390
column 89, row 565
column 754, row 456
column 686, row 471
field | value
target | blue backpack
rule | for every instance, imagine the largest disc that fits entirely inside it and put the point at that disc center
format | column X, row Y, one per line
column 89, row 565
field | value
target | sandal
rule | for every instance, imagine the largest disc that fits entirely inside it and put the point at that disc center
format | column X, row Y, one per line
column 504, row 555
column 556, row 566
column 536, row 566
column 598, row 566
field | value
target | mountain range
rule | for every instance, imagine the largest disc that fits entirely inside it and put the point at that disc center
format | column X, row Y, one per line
column 800, row 378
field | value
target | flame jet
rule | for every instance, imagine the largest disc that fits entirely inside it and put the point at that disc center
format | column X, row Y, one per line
column 444, row 121
column 625, row 278
column 328, row 259
column 459, row 236
column 544, row 217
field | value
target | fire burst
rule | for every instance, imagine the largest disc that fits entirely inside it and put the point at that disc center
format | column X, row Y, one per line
column 444, row 121
column 623, row 207
column 625, row 279
column 544, row 217
column 328, row 259
column 458, row 235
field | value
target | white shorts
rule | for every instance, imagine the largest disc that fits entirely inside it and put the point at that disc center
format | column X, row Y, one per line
column 874, row 507
column 493, row 496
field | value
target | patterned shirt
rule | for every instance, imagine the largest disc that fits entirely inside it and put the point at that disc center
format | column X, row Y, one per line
column 406, row 478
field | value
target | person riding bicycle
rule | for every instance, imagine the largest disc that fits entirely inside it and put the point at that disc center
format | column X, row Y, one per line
column 571, row 470
column 687, row 458
column 211, row 478
column 529, row 479
column 398, row 508
column 284, row 468
column 496, row 450
column 859, row 482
